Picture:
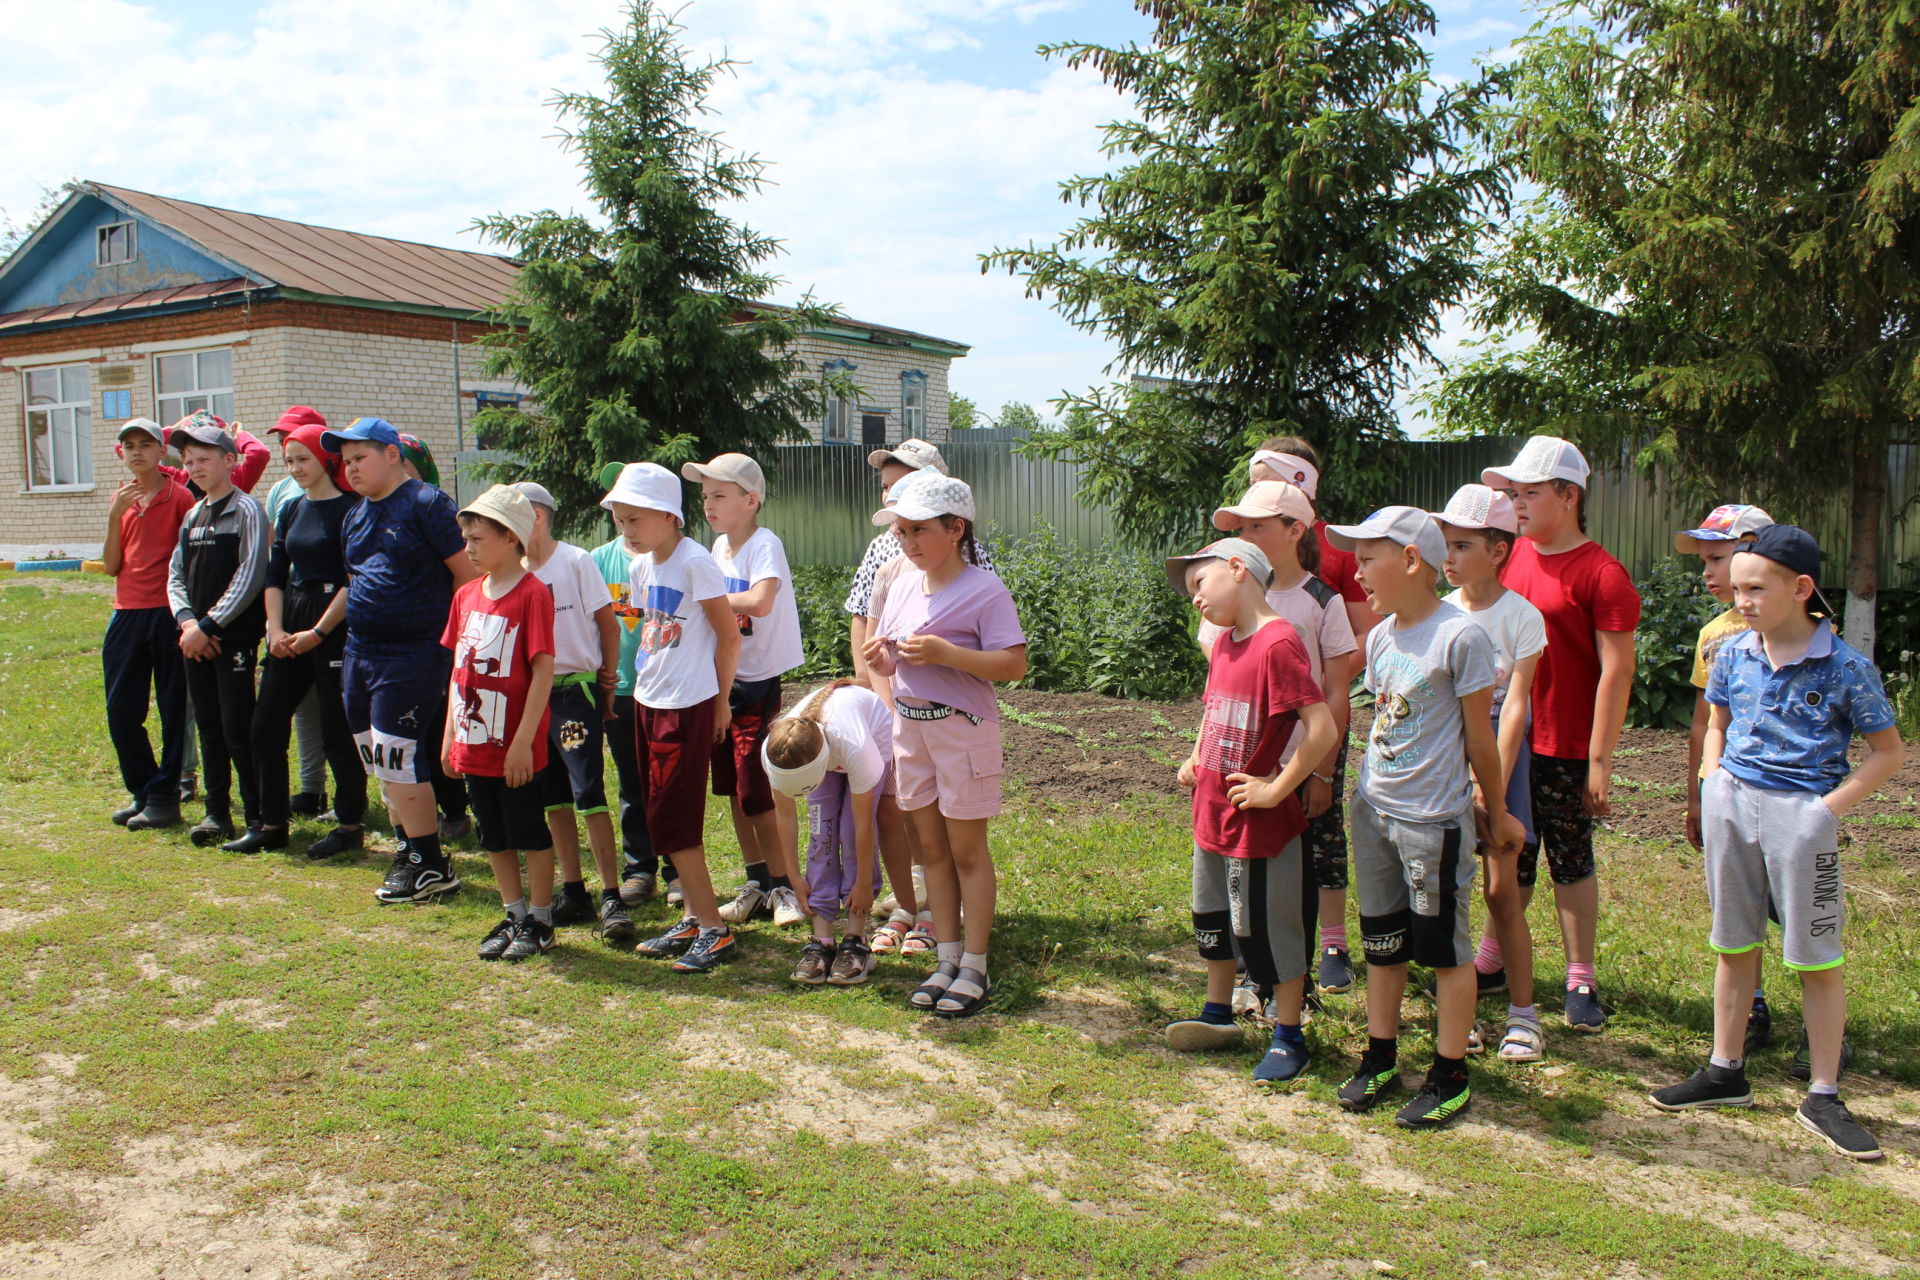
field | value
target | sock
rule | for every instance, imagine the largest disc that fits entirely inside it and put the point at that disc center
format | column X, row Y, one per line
column 1579, row 974
column 781, row 882
column 1333, row 935
column 1759, row 995
column 757, row 875
column 575, row 889
column 1448, row 1069
column 1289, row 1034
column 610, row 895
column 1529, row 1012
column 1824, row 1090
column 949, row 952
column 1727, row 1064
column 823, row 928
column 1384, row 1052
column 1220, row 1015
column 1487, row 958
column 428, row 847
column 924, row 920
column 978, row 963
column 543, row 914
column 667, row 872
column 517, row 910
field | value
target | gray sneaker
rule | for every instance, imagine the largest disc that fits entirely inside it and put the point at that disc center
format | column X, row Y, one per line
column 1826, row 1115
column 615, row 924
column 637, row 887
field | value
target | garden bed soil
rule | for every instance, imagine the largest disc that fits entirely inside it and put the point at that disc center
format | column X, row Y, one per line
column 1085, row 753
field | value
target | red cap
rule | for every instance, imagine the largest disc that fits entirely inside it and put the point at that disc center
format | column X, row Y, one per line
column 299, row 415
column 309, row 434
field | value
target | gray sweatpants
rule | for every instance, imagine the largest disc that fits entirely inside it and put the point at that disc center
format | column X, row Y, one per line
column 1784, row 843
column 313, row 754
column 1412, row 881
column 1258, row 901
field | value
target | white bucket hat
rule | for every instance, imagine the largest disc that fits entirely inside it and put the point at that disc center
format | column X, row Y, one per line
column 649, row 485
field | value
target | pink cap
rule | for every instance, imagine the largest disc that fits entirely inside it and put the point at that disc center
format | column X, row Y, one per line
column 1475, row 506
column 1264, row 501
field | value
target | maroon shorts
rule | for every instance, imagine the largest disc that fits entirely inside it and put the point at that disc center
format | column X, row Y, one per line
column 675, row 744
column 738, row 769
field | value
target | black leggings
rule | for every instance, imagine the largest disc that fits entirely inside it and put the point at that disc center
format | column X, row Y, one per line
column 221, row 687
column 284, row 682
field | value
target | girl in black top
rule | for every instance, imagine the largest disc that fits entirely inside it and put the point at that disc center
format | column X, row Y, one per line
column 306, row 599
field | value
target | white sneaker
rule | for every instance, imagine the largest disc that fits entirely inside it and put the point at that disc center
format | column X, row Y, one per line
column 675, row 898
column 747, row 901
column 787, row 910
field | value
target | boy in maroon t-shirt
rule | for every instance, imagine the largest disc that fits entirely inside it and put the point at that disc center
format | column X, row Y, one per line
column 142, row 648
column 1247, row 821
column 501, row 632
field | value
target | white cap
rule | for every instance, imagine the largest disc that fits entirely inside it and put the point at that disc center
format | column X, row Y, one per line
column 1475, row 506
column 1290, row 467
column 1541, row 459
column 797, row 781
column 909, row 453
column 537, row 494
column 1408, row 526
column 505, row 505
column 1263, row 501
column 1225, row 549
column 736, row 468
column 926, row 494
column 649, row 485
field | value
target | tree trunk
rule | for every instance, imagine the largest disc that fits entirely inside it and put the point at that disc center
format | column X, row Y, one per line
column 1863, row 553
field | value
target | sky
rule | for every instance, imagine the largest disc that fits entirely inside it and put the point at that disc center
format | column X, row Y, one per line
column 905, row 137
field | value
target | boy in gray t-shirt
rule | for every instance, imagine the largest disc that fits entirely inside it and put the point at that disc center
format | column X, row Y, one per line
column 1431, row 673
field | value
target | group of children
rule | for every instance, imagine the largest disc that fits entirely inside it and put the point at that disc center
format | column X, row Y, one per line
column 1496, row 712
column 470, row 643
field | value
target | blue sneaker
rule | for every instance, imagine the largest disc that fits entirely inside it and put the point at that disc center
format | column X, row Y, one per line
column 1285, row 1062
column 1584, row 1012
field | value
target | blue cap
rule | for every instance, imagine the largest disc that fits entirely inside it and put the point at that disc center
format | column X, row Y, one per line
column 1795, row 550
column 376, row 430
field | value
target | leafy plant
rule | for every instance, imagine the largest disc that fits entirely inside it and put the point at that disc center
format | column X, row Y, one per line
column 819, row 590
column 1674, row 603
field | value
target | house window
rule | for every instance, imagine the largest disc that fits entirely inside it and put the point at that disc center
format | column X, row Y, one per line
column 59, row 428
column 838, row 428
column 191, row 381
column 913, row 403
column 113, row 244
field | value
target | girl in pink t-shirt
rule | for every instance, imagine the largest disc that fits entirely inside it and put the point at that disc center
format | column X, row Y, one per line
column 947, row 632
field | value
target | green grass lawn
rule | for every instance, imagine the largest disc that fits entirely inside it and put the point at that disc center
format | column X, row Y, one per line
column 222, row 1066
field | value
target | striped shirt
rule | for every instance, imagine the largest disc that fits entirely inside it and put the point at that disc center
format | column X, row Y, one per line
column 220, row 567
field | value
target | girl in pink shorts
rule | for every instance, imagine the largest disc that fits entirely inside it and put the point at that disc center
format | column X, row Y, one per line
column 947, row 632
column 836, row 749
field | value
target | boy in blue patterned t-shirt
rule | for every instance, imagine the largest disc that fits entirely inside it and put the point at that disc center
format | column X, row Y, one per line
column 1786, row 698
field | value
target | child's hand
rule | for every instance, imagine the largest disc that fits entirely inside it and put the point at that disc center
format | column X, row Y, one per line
column 519, row 764
column 1188, row 776
column 1599, row 783
column 608, row 679
column 1247, row 792
column 446, row 764
column 195, row 644
column 1693, row 820
column 278, row 641
column 1316, row 795
column 923, row 651
column 123, row 497
column 860, row 902
column 876, row 655
column 1507, row 835
column 722, row 717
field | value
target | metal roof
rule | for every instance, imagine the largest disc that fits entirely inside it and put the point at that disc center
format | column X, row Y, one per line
column 99, row 308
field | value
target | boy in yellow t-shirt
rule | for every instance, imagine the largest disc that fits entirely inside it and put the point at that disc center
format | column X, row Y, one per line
column 1718, row 537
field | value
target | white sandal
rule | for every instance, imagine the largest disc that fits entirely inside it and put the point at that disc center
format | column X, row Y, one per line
column 1524, row 1041
column 1476, row 1042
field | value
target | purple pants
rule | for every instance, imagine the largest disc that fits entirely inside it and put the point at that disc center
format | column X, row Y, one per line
column 831, row 861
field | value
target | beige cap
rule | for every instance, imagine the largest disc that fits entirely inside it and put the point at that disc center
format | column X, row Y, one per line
column 913, row 453
column 1263, row 501
column 736, row 468
column 505, row 505
column 1240, row 549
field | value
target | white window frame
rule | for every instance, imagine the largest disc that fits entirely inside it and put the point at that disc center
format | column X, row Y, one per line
column 837, row 426
column 913, row 405
column 103, row 239
column 69, row 418
column 183, row 402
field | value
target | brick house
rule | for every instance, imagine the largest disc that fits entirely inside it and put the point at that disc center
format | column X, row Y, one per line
column 124, row 304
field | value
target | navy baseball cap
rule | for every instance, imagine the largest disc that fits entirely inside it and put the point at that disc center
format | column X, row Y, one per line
column 1795, row 550
column 376, row 430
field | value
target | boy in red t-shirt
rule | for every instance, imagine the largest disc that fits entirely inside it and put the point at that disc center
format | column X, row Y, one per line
column 1247, row 821
column 501, row 632
column 1579, row 691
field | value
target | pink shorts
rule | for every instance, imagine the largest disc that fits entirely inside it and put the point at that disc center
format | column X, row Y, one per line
column 952, row 762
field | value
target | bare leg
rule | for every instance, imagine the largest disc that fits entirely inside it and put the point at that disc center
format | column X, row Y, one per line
column 1734, row 978
column 1386, row 987
column 410, row 805
column 1823, row 997
column 540, row 877
column 936, row 863
column 1579, row 908
column 506, row 874
column 896, row 853
column 566, row 843
column 697, row 885
column 1456, row 988
column 1289, row 997
column 1220, row 975
column 606, row 859
column 979, row 886
column 1507, row 913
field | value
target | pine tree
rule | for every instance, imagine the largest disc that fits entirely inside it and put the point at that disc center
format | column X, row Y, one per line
column 1719, row 274
column 644, row 335
column 1292, row 218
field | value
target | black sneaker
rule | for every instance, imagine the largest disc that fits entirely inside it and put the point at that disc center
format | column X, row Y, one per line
column 1490, row 984
column 571, row 909
column 431, row 881
column 398, row 886
column 673, row 942
column 1436, row 1105
column 307, row 804
column 338, row 840
column 531, row 937
column 1826, row 1115
column 1710, row 1086
column 713, row 948
column 155, row 817
column 495, row 944
column 1801, row 1068
column 257, row 840
column 1370, row 1082
column 1759, row 1027
column 1336, row 971
column 615, row 924
column 215, row 828
column 119, row 816
column 1583, row 1010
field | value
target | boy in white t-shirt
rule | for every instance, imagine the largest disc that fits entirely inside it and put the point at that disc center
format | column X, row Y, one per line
column 689, row 647
column 585, row 671
column 1480, row 526
column 753, row 563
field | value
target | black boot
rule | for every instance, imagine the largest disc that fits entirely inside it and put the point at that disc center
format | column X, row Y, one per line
column 121, row 816
column 212, row 829
column 257, row 839
column 338, row 840
column 307, row 804
column 154, row 817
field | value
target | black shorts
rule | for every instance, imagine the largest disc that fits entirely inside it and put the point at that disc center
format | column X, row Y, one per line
column 575, row 776
column 1560, row 822
column 509, row 819
column 737, row 767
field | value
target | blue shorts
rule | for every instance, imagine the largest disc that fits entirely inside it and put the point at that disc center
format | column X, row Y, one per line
column 575, row 776
column 391, row 693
